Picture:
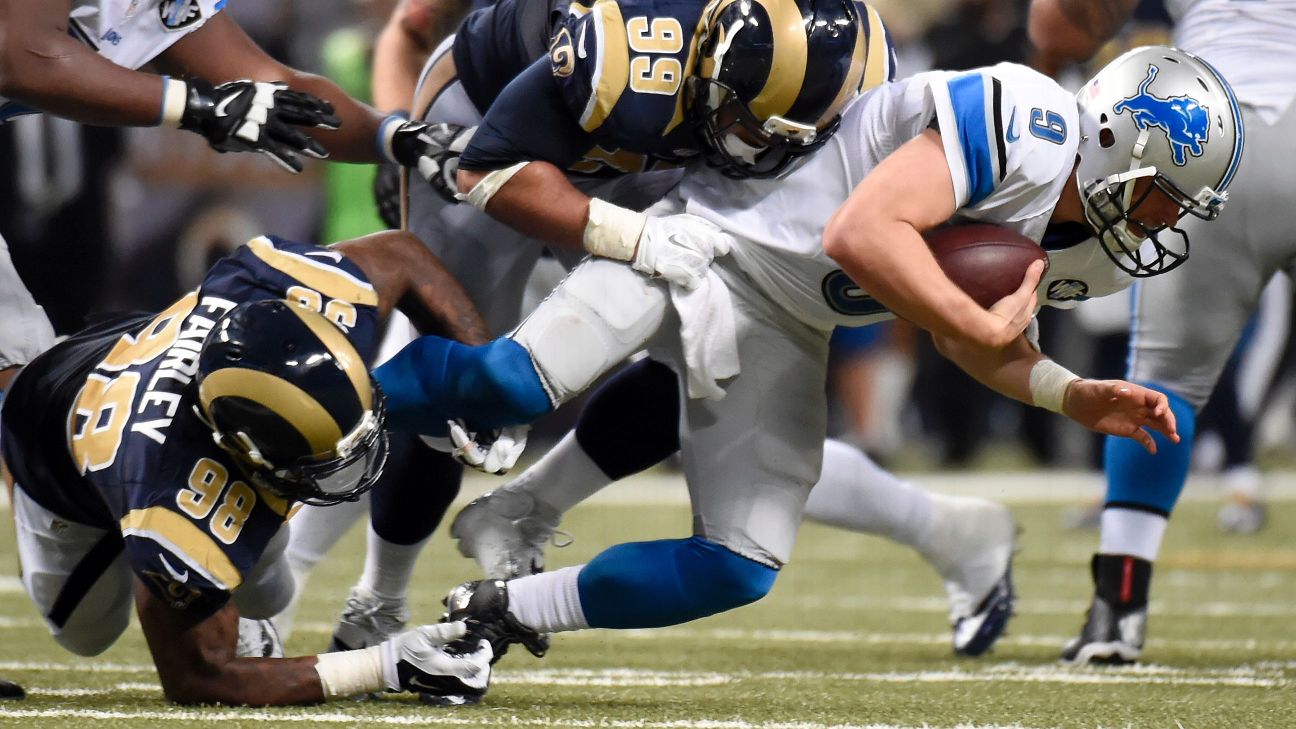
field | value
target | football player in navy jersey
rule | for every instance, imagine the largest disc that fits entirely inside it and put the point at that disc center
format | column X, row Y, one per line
column 156, row 459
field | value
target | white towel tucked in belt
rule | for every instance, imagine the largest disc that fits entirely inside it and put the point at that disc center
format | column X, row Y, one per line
column 708, row 335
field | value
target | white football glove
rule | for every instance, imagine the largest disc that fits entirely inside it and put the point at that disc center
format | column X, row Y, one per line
column 493, row 452
column 679, row 248
column 418, row 661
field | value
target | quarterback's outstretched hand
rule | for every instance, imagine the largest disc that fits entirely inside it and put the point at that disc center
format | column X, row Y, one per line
column 1116, row 407
column 418, row 661
column 430, row 149
column 680, row 248
column 254, row 116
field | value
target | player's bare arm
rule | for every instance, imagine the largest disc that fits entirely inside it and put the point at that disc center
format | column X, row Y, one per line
column 1067, row 31
column 1019, row 371
column 408, row 276
column 196, row 660
column 876, row 238
column 221, row 51
column 540, row 200
column 413, row 31
column 42, row 66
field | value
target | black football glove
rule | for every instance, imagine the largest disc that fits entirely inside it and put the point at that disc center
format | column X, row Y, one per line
column 248, row 116
column 433, row 151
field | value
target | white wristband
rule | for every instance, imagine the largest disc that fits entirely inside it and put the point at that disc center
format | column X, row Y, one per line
column 1048, row 384
column 486, row 188
column 386, row 133
column 348, row 673
column 613, row 231
column 175, row 94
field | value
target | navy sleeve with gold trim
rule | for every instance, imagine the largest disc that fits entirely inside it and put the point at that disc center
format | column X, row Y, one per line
column 192, row 524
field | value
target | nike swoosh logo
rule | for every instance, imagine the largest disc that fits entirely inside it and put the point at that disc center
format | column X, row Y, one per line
column 1012, row 136
column 416, row 683
column 580, row 42
column 222, row 106
column 332, row 255
column 181, row 577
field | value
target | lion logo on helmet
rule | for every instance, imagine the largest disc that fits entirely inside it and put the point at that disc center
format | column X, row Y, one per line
column 1184, row 120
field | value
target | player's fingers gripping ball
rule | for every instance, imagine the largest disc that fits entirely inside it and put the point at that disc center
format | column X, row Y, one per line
column 988, row 262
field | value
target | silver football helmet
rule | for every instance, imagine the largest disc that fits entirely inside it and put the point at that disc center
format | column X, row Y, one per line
column 1166, row 115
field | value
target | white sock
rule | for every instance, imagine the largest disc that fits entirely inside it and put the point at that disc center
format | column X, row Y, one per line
column 312, row 532
column 1132, row 532
column 548, row 602
column 855, row 493
column 563, row 477
column 389, row 566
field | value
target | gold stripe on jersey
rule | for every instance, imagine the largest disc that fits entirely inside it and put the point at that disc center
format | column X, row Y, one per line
column 275, row 502
column 613, row 71
column 878, row 68
column 303, row 412
column 788, row 67
column 344, row 353
column 329, row 281
column 193, row 545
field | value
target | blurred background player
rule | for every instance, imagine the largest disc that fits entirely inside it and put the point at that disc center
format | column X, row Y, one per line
column 189, row 436
column 1177, row 348
column 751, row 457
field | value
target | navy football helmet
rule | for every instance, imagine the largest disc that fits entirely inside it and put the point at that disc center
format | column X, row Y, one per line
column 286, row 393
column 774, row 75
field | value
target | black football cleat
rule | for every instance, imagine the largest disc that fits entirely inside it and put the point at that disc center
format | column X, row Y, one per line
column 483, row 606
column 1116, row 624
column 11, row 691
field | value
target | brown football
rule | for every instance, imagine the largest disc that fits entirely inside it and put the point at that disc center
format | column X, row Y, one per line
column 987, row 261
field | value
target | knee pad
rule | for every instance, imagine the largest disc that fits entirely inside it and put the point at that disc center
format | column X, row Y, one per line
column 602, row 313
column 667, row 582
column 1141, row 481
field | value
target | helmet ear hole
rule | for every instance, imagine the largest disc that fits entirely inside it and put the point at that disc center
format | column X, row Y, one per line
column 1106, row 138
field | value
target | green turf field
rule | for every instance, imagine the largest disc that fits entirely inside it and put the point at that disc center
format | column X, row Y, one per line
column 853, row 635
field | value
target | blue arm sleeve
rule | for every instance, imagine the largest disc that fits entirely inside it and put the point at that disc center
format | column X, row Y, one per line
column 529, row 121
column 433, row 380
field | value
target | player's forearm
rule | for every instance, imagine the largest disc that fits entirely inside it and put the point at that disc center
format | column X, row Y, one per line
column 62, row 77
column 413, row 31
column 408, row 276
column 1005, row 370
column 398, row 59
column 892, row 263
column 250, row 682
column 539, row 201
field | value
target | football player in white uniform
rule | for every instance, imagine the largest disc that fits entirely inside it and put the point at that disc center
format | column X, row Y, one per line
column 1185, row 326
column 836, row 241
column 77, row 59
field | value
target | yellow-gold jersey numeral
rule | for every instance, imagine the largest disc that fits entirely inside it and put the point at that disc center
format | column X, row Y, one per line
column 341, row 313
column 655, row 75
column 206, row 483
column 99, row 416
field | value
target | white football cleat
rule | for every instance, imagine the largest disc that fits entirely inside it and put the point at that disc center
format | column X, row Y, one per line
column 972, row 547
column 505, row 530
column 367, row 621
column 258, row 639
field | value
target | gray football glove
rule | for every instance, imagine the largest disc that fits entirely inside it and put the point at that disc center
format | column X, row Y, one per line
column 433, row 151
